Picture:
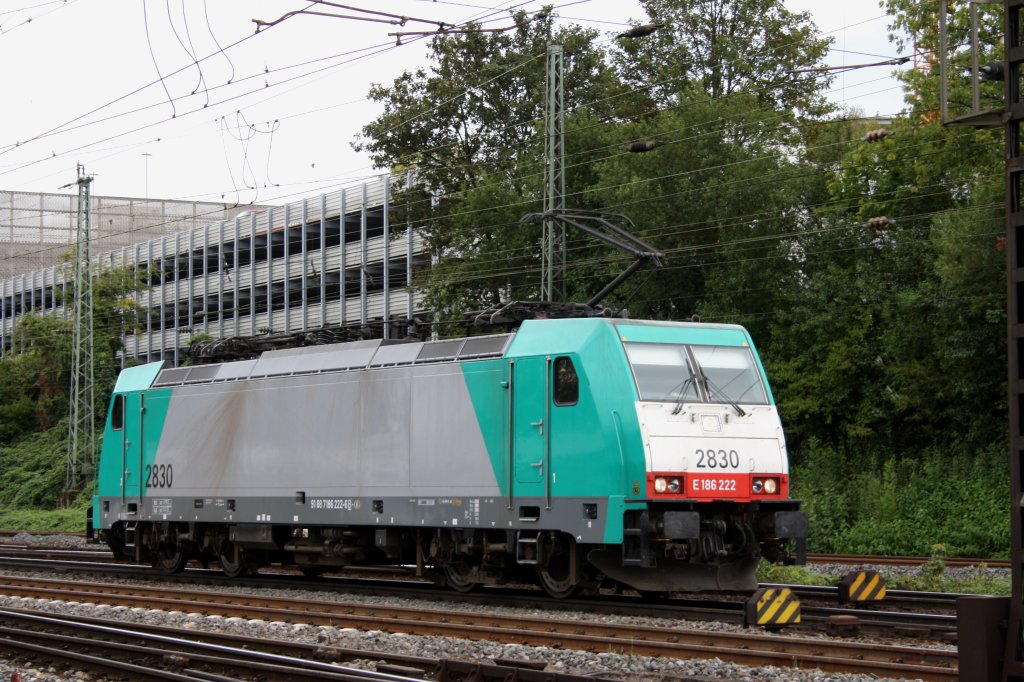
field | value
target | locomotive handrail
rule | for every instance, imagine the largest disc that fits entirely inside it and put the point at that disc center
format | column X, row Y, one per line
column 546, row 466
column 511, row 428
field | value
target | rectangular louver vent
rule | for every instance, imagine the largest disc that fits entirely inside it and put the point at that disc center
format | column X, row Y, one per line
column 485, row 346
column 171, row 377
column 439, row 351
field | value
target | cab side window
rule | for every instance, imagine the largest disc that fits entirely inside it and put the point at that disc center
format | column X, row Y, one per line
column 117, row 417
column 567, row 382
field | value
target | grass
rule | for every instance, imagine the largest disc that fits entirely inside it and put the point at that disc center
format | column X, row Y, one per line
column 70, row 520
column 933, row 577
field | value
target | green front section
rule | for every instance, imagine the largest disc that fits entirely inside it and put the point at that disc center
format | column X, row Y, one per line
column 594, row 447
column 127, row 451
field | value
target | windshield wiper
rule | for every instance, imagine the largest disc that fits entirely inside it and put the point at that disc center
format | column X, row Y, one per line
column 682, row 388
column 716, row 391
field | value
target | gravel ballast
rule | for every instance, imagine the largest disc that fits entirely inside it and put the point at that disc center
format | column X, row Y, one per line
column 618, row 666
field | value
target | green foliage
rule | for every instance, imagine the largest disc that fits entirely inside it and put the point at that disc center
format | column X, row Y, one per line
column 470, row 125
column 722, row 48
column 957, row 498
column 68, row 520
column 35, row 378
column 974, row 584
column 473, row 112
column 789, row 575
column 34, row 469
column 932, row 578
column 17, row 408
column 35, row 375
column 709, row 199
column 38, row 369
column 917, row 19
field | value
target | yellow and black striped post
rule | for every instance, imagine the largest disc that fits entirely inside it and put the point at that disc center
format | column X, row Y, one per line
column 861, row 586
column 772, row 607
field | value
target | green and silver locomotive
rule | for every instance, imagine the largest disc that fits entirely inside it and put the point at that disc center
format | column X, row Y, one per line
column 570, row 452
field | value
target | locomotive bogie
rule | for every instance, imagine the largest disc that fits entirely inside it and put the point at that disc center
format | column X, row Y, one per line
column 569, row 452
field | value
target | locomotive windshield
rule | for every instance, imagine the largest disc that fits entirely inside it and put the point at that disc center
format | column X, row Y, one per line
column 668, row 372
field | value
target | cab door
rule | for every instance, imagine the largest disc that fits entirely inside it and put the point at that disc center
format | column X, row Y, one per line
column 531, row 432
column 131, row 446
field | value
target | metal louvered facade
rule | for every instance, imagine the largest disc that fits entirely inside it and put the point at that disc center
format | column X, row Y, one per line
column 36, row 229
column 336, row 258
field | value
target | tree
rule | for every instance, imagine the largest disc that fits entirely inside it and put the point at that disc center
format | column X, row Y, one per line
column 35, row 375
column 890, row 333
column 684, row 196
column 722, row 47
column 715, row 197
column 42, row 362
column 920, row 20
column 470, row 125
column 474, row 113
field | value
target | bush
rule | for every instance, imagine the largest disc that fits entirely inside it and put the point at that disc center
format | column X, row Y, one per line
column 905, row 506
column 34, row 469
column 34, row 472
column 70, row 520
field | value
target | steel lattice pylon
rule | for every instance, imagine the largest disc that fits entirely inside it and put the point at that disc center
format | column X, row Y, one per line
column 553, row 251
column 82, row 425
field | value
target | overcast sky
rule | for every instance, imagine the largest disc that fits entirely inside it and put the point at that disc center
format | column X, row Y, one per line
column 268, row 117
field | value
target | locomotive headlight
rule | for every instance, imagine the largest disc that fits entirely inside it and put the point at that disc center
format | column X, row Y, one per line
column 660, row 485
column 758, row 486
column 673, row 485
column 771, row 486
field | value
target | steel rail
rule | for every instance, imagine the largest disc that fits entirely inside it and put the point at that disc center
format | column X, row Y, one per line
column 167, row 657
column 386, row 662
column 941, row 602
column 747, row 649
column 882, row 560
column 874, row 620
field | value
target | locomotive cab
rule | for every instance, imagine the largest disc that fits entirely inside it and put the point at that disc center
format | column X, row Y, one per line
column 715, row 495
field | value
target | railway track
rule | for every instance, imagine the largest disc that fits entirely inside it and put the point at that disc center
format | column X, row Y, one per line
column 905, row 600
column 879, row 560
column 850, row 559
column 643, row 640
column 147, row 651
column 58, row 554
column 925, row 616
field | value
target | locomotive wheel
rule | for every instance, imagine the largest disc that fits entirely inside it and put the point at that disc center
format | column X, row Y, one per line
column 557, row 583
column 233, row 562
column 557, row 577
column 115, row 541
column 170, row 559
column 459, row 577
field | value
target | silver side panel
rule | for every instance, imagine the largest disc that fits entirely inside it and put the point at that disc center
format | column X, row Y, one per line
column 398, row 431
